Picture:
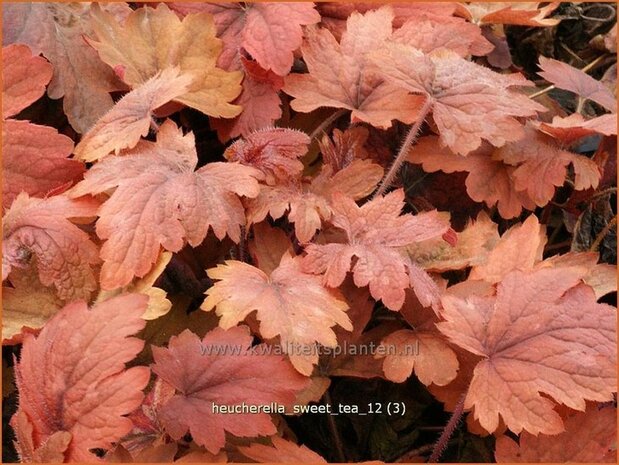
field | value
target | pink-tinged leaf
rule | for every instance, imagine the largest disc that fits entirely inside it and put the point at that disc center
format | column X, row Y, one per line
column 34, row 160
column 470, row 103
column 281, row 451
column 130, row 118
column 307, row 201
column 270, row 32
column 574, row 127
column 428, row 34
column 80, row 77
column 520, row 248
column 418, row 348
column 543, row 333
column 222, row 369
column 24, row 78
column 160, row 200
column 259, row 99
column 52, row 450
column 274, row 151
column 72, row 377
column 518, row 175
column 37, row 232
column 542, row 166
column 339, row 75
column 569, row 78
column 289, row 303
column 335, row 14
column 489, row 181
column 589, row 437
column 374, row 234
column 520, row 14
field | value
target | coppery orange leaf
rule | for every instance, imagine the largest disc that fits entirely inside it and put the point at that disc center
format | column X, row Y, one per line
column 518, row 175
column 543, row 333
column 269, row 31
column 24, row 78
column 470, row 103
column 518, row 13
column 34, row 158
column 281, row 451
column 274, row 151
column 131, row 117
column 56, row 30
column 289, row 303
column 418, row 348
column 161, row 201
column 589, row 437
column 307, row 200
column 374, row 234
column 339, row 75
column 37, row 233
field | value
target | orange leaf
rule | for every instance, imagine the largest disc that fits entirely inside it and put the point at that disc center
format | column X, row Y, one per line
column 339, row 76
column 307, row 201
column 259, row 99
column 519, row 13
column 122, row 126
column 80, row 77
column 270, row 32
column 26, row 306
column 418, row 348
column 194, row 50
column 289, row 303
column 374, row 234
column 161, row 201
column 281, row 451
column 34, row 157
column 574, row 127
column 274, row 151
column 34, row 160
column 520, row 248
column 64, row 253
column 75, row 381
column 334, row 14
column 232, row 374
column 569, row 78
column 469, row 102
column 427, row 33
column 589, row 437
column 24, row 78
column 519, row 174
column 543, row 333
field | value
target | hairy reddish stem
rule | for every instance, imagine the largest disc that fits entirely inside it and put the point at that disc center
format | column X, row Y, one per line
column 443, row 441
column 408, row 141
